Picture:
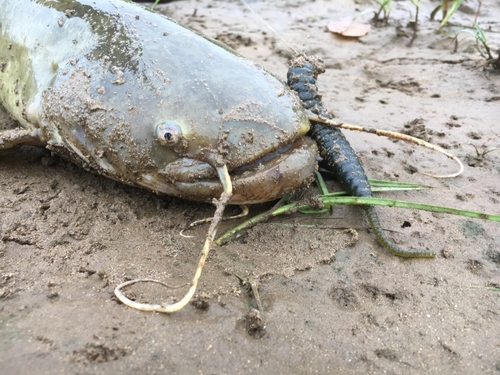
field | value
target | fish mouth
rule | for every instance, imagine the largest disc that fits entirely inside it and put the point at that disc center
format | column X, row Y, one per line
column 268, row 178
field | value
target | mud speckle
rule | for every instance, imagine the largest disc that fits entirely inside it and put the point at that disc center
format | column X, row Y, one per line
column 255, row 324
column 201, row 301
column 416, row 128
column 474, row 266
column 386, row 354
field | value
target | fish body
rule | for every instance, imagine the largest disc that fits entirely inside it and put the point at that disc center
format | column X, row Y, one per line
column 135, row 96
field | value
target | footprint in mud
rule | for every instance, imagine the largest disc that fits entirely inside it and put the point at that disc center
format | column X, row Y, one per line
column 416, row 128
column 472, row 229
column 474, row 266
column 494, row 256
column 374, row 292
column 99, row 353
column 345, row 296
column 348, row 298
column 388, row 354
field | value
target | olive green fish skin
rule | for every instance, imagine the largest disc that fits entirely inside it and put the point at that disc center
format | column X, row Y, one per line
column 95, row 79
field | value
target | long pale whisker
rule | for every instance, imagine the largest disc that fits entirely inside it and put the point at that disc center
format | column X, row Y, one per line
column 220, row 205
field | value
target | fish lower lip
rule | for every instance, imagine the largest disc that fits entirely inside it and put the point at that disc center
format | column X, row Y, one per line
column 271, row 178
column 266, row 179
column 193, row 171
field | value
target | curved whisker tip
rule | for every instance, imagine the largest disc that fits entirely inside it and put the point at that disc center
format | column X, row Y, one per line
column 456, row 174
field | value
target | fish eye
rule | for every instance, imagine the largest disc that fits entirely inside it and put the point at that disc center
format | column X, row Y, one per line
column 169, row 133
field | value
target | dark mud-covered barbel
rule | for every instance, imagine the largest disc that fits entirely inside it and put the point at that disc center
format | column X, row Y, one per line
column 337, row 153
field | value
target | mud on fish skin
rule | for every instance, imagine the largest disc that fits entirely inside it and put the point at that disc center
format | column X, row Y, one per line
column 140, row 99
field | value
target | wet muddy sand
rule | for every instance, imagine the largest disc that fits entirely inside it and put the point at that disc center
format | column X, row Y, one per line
column 333, row 300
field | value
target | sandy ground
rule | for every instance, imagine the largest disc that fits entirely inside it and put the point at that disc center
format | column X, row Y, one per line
column 333, row 300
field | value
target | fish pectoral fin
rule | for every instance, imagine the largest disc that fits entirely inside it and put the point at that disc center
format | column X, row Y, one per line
column 13, row 137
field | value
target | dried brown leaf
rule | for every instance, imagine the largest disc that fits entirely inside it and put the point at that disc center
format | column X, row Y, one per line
column 349, row 27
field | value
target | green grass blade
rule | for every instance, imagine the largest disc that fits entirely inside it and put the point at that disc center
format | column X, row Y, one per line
column 480, row 34
column 471, row 32
column 323, row 189
column 385, row 183
column 434, row 12
column 366, row 11
column 321, row 184
column 155, row 4
column 494, row 288
column 376, row 186
column 454, row 6
column 329, row 201
column 253, row 220
column 394, row 183
column 380, row 189
column 312, row 211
